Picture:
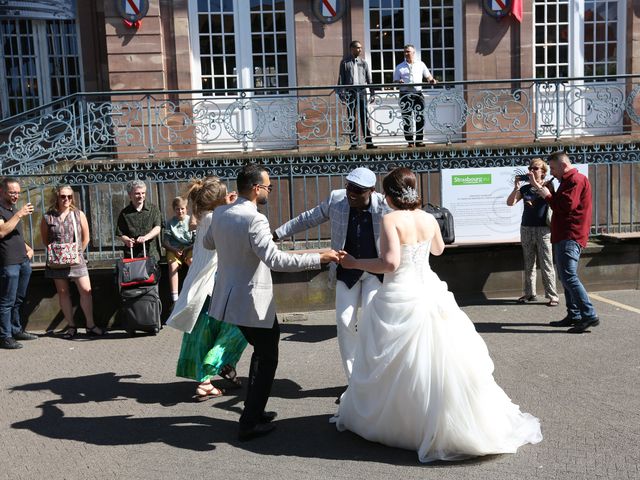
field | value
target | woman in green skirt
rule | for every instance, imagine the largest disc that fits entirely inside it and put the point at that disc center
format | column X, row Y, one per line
column 209, row 347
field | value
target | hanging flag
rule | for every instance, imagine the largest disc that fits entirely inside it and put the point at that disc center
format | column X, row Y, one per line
column 516, row 10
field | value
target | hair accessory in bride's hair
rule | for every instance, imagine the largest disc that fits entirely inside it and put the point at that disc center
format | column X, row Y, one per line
column 409, row 195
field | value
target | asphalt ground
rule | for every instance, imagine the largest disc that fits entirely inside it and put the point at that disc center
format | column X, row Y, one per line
column 112, row 407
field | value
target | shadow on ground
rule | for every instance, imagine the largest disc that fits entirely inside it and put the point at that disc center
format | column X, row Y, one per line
column 510, row 327
column 305, row 437
column 299, row 332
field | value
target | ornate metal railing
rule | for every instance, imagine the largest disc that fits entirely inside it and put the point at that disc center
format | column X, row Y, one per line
column 302, row 181
column 144, row 125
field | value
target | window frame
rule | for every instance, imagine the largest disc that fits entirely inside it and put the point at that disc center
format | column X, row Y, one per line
column 412, row 35
column 576, row 38
column 39, row 38
column 243, row 52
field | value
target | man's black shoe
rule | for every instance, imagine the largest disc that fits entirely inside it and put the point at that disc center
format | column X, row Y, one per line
column 419, row 144
column 582, row 326
column 565, row 322
column 9, row 344
column 259, row 430
column 25, row 336
column 371, row 146
column 353, row 147
column 268, row 417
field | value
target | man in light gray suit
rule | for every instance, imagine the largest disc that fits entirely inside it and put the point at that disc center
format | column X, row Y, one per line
column 355, row 214
column 243, row 293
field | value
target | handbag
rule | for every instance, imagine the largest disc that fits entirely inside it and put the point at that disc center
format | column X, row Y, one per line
column 65, row 255
column 445, row 221
column 134, row 272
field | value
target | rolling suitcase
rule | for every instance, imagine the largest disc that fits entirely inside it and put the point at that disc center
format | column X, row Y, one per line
column 134, row 272
column 141, row 309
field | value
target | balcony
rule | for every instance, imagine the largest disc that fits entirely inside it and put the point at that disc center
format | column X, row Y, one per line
column 161, row 125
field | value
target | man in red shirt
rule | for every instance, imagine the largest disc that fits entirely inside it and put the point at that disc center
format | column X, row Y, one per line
column 570, row 225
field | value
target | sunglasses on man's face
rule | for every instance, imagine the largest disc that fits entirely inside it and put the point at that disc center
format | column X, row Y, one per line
column 356, row 189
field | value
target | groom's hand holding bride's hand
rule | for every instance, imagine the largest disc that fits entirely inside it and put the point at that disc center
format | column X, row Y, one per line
column 329, row 256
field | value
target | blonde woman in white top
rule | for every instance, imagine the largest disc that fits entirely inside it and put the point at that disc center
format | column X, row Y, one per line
column 209, row 347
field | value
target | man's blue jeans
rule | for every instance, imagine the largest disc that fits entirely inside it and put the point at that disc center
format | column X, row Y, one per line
column 14, row 280
column 567, row 255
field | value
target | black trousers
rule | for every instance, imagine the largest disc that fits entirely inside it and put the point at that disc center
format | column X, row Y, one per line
column 410, row 104
column 264, row 362
column 356, row 102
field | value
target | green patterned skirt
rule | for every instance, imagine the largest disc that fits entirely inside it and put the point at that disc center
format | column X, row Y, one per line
column 210, row 346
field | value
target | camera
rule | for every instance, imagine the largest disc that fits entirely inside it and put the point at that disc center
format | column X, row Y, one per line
column 522, row 178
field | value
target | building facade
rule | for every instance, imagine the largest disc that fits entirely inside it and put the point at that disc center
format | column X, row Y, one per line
column 55, row 48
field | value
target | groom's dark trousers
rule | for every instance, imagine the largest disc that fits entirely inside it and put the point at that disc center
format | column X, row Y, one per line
column 262, row 371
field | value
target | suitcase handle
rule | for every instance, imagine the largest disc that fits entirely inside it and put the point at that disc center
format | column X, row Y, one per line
column 144, row 250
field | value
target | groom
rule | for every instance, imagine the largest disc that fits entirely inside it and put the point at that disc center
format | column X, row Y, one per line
column 243, row 293
column 355, row 213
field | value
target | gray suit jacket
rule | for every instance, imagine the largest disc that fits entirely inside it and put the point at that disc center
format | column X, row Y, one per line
column 335, row 209
column 243, row 292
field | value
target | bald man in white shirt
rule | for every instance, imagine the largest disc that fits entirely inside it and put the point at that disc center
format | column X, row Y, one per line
column 411, row 100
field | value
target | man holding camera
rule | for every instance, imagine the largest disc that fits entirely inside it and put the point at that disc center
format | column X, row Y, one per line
column 15, row 265
column 570, row 226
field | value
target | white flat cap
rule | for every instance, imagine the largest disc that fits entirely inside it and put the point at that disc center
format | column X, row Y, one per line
column 362, row 177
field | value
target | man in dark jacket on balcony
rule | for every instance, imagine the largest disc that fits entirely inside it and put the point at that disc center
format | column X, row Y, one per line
column 570, row 225
column 354, row 70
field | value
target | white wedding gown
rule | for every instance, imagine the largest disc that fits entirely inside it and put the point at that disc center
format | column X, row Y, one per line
column 422, row 376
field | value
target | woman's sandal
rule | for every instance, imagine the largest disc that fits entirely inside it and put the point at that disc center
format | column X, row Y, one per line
column 552, row 303
column 203, row 394
column 96, row 331
column 70, row 333
column 229, row 373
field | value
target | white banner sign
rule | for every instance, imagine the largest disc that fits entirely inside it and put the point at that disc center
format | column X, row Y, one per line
column 477, row 198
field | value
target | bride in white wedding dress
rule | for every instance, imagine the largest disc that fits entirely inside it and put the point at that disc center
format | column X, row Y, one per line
column 422, row 377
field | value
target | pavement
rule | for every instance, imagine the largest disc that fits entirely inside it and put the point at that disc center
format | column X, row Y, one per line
column 112, row 407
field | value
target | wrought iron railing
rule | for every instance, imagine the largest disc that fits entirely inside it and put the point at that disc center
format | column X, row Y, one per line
column 142, row 125
column 302, row 181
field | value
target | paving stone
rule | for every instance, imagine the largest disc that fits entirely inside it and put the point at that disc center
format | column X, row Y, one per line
column 113, row 408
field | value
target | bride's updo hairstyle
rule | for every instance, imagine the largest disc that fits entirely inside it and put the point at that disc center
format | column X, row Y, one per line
column 400, row 186
column 206, row 194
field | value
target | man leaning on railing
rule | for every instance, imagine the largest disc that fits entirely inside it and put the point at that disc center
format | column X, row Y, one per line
column 411, row 98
